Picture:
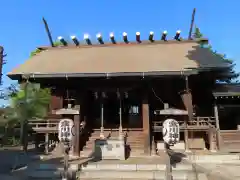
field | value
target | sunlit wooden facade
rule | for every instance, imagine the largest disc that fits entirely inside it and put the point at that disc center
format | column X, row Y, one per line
column 122, row 86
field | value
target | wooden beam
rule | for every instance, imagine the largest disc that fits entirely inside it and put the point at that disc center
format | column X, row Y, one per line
column 76, row 144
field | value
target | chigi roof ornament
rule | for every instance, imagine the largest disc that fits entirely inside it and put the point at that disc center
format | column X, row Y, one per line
column 125, row 38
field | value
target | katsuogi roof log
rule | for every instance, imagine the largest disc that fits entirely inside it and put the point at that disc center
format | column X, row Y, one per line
column 120, row 59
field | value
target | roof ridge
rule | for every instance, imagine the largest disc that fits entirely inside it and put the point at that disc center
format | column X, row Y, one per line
column 130, row 43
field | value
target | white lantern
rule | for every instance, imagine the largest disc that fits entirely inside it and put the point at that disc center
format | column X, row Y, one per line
column 171, row 132
column 65, row 130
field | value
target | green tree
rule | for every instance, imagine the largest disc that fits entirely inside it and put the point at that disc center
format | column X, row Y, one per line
column 27, row 103
column 227, row 74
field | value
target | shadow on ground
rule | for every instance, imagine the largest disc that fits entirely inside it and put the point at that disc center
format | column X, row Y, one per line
column 175, row 157
column 14, row 161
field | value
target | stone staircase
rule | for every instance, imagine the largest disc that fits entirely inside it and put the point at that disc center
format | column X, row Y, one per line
column 134, row 141
column 87, row 150
column 230, row 140
column 141, row 168
column 142, row 171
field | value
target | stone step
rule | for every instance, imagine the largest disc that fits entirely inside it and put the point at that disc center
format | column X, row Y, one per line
column 119, row 179
column 160, row 175
column 213, row 158
column 51, row 167
column 133, row 167
column 135, row 144
column 49, row 171
column 44, row 175
column 86, row 153
column 135, row 141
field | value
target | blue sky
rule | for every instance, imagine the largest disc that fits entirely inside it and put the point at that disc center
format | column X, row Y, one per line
column 22, row 30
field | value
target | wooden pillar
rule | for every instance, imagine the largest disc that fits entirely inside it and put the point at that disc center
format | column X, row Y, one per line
column 76, row 138
column 217, row 127
column 146, row 125
column 36, row 136
column 56, row 102
column 187, row 101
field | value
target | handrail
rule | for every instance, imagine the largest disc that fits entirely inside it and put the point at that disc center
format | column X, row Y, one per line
column 196, row 121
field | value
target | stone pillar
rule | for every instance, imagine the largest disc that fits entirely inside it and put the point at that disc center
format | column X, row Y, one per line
column 211, row 140
column 237, row 119
column 102, row 121
column 186, row 141
column 120, row 119
column 186, row 136
column 46, row 142
column 153, row 147
column 146, row 125
column 47, row 139
column 238, row 127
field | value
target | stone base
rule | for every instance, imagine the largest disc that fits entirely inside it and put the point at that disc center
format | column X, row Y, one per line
column 178, row 146
column 188, row 151
column 110, row 149
column 213, row 151
column 238, row 127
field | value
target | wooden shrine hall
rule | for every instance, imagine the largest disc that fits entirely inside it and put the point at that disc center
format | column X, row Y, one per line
column 120, row 89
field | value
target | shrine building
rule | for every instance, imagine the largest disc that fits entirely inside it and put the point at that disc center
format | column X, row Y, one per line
column 128, row 88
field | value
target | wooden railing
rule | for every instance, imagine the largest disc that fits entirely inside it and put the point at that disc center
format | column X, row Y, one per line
column 195, row 123
column 202, row 121
column 44, row 125
column 47, row 125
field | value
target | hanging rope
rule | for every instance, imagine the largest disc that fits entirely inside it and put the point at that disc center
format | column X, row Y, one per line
column 157, row 96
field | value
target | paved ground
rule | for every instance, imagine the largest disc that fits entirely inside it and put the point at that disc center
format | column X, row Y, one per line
column 8, row 159
column 9, row 177
column 223, row 171
column 11, row 157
